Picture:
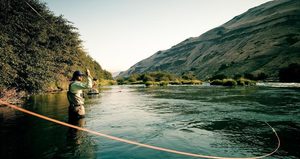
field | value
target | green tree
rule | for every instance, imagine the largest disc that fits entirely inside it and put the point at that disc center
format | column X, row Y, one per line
column 37, row 50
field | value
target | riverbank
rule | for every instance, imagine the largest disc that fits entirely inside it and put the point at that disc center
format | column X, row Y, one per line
column 12, row 95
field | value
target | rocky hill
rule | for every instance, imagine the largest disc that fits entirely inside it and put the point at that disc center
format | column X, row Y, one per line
column 261, row 40
column 38, row 50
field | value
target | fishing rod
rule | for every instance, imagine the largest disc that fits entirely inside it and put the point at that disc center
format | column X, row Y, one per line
column 35, row 10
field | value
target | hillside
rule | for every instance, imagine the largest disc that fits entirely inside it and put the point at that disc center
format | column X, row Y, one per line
column 38, row 50
column 261, row 40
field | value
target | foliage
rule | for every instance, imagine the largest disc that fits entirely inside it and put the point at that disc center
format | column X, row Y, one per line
column 159, row 78
column 146, row 78
column 163, row 83
column 245, row 82
column 290, row 73
column 216, row 82
column 229, row 82
column 232, row 82
column 39, row 51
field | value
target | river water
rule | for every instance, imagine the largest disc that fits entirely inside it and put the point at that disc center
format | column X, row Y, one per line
column 208, row 120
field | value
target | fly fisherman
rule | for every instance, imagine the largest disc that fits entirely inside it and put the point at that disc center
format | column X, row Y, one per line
column 75, row 93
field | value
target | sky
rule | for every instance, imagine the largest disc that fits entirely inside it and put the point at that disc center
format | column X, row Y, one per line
column 120, row 33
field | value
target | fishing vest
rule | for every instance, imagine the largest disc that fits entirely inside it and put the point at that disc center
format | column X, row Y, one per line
column 73, row 98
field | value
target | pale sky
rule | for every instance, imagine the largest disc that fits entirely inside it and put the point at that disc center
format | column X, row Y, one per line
column 120, row 33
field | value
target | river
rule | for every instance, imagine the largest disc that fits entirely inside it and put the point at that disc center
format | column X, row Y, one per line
column 208, row 120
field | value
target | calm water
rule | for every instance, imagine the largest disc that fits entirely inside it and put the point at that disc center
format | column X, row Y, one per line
column 217, row 121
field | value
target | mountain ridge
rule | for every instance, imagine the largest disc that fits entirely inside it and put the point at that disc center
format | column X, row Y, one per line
column 245, row 44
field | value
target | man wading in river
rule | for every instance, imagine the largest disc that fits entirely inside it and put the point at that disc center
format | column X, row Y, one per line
column 75, row 94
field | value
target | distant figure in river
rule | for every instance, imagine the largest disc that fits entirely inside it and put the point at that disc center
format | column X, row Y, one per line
column 94, row 89
column 75, row 93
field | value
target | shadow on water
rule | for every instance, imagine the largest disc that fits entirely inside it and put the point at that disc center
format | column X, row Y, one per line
column 78, row 144
column 25, row 136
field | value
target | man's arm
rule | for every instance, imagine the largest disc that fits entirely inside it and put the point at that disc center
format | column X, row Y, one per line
column 79, row 85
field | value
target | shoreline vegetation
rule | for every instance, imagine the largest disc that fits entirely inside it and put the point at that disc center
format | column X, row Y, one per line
column 159, row 79
column 287, row 74
column 165, row 79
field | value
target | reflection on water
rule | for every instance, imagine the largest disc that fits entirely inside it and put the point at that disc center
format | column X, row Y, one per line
column 78, row 143
column 209, row 120
column 24, row 136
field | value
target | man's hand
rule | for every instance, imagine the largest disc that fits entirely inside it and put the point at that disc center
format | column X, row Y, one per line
column 88, row 73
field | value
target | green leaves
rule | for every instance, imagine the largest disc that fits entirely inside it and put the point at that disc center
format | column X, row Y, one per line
column 36, row 51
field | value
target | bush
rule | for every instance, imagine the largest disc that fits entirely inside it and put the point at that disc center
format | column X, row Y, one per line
column 186, row 82
column 229, row 82
column 149, row 83
column 232, row 82
column 196, row 82
column 216, row 82
column 163, row 83
column 146, row 78
column 176, row 82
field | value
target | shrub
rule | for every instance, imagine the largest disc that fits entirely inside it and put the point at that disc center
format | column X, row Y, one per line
column 146, row 78
column 149, row 83
column 196, row 82
column 186, row 82
column 163, row 83
column 216, row 82
column 229, row 82
column 176, row 82
column 245, row 82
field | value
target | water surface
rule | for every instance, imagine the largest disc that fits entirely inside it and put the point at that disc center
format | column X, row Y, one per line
column 217, row 121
